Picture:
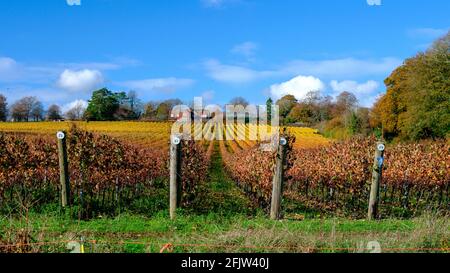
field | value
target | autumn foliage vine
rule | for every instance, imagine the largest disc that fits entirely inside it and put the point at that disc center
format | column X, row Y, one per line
column 337, row 177
column 105, row 173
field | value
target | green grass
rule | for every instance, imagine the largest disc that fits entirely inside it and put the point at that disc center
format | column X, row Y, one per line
column 220, row 194
column 238, row 233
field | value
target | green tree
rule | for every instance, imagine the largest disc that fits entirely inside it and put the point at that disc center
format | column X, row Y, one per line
column 150, row 111
column 417, row 102
column 103, row 105
column 301, row 112
column 269, row 106
column 285, row 105
column 163, row 112
column 355, row 124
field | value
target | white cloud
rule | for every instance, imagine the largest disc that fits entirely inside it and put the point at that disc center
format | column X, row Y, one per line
column 114, row 64
column 73, row 2
column 339, row 69
column 427, row 33
column 374, row 2
column 166, row 85
column 234, row 74
column 46, row 73
column 68, row 106
column 80, row 81
column 6, row 64
column 355, row 87
column 91, row 66
column 68, row 76
column 365, row 92
column 246, row 49
column 342, row 68
column 8, row 69
column 298, row 87
column 45, row 94
column 55, row 82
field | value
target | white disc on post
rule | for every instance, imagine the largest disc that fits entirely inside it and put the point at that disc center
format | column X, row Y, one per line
column 176, row 140
column 60, row 135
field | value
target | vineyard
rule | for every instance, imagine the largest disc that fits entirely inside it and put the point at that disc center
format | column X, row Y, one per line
column 335, row 177
column 119, row 180
column 124, row 166
column 154, row 134
column 106, row 174
column 416, row 177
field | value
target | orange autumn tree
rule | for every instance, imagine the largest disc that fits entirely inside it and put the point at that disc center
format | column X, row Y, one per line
column 417, row 101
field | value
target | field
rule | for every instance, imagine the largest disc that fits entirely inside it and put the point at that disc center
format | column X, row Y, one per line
column 145, row 133
column 119, row 192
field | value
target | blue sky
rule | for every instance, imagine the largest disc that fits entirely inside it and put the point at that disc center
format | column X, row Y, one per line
column 217, row 49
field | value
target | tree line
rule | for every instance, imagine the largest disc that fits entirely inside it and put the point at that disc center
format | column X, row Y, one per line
column 26, row 109
column 416, row 105
column 339, row 117
column 29, row 109
column 104, row 105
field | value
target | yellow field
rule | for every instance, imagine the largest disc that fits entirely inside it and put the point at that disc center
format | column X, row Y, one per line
column 145, row 133
column 153, row 133
column 308, row 138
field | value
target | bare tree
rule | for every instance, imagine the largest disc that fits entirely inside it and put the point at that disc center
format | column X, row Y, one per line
column 3, row 108
column 346, row 102
column 37, row 112
column 346, row 105
column 54, row 113
column 26, row 109
column 135, row 103
column 239, row 101
column 76, row 112
column 171, row 103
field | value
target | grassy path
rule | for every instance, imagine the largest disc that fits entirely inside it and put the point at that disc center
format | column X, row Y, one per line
column 220, row 194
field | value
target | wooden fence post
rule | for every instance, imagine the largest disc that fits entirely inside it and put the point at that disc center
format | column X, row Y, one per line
column 63, row 168
column 277, row 184
column 377, row 171
column 175, row 174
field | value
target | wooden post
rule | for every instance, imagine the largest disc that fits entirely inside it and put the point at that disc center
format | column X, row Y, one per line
column 175, row 174
column 376, row 179
column 63, row 168
column 277, row 185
